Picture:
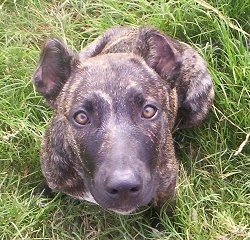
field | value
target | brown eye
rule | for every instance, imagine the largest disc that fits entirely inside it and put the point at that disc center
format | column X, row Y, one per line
column 81, row 118
column 149, row 111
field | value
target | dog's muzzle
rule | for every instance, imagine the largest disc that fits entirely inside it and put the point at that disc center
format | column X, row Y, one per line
column 122, row 190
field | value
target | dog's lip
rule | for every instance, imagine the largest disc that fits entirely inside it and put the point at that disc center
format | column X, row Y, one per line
column 122, row 212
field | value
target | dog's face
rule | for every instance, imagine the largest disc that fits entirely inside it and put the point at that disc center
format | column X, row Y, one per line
column 116, row 109
column 115, row 104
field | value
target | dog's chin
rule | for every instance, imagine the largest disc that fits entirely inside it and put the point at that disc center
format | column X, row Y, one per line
column 124, row 207
column 123, row 212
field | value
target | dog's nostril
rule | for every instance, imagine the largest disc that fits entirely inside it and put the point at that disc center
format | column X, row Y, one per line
column 123, row 190
column 134, row 189
column 113, row 191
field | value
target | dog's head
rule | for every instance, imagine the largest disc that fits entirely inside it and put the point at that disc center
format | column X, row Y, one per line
column 119, row 123
column 110, row 137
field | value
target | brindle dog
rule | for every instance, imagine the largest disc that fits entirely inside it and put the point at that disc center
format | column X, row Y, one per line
column 115, row 105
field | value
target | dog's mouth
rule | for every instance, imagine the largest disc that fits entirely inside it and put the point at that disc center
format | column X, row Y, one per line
column 124, row 202
column 125, row 209
column 123, row 206
column 123, row 212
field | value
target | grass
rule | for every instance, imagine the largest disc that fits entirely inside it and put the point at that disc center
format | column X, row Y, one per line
column 213, row 193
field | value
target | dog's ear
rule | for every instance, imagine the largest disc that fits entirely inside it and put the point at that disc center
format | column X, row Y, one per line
column 158, row 53
column 53, row 69
column 188, row 71
column 153, row 46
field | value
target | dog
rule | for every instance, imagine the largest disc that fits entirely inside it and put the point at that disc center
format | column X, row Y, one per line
column 115, row 105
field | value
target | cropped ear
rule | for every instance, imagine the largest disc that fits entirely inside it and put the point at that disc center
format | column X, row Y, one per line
column 159, row 54
column 53, row 69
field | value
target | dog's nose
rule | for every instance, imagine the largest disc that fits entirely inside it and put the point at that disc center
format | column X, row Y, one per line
column 123, row 184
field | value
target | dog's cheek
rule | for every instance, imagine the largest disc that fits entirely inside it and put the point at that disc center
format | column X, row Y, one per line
column 150, row 147
column 59, row 161
column 88, row 143
column 166, row 165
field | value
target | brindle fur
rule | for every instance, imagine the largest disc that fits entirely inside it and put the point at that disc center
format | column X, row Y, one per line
column 108, row 76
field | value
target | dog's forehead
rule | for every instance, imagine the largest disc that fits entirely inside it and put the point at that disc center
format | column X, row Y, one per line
column 116, row 72
column 113, row 76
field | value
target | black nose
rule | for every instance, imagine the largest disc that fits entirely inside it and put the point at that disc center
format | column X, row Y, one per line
column 123, row 184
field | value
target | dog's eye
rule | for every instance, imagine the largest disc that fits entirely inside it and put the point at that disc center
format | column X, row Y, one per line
column 149, row 111
column 81, row 118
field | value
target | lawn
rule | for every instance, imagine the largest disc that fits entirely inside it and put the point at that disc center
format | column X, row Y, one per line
column 213, row 192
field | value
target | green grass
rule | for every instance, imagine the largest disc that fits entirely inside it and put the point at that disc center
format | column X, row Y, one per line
column 213, row 193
